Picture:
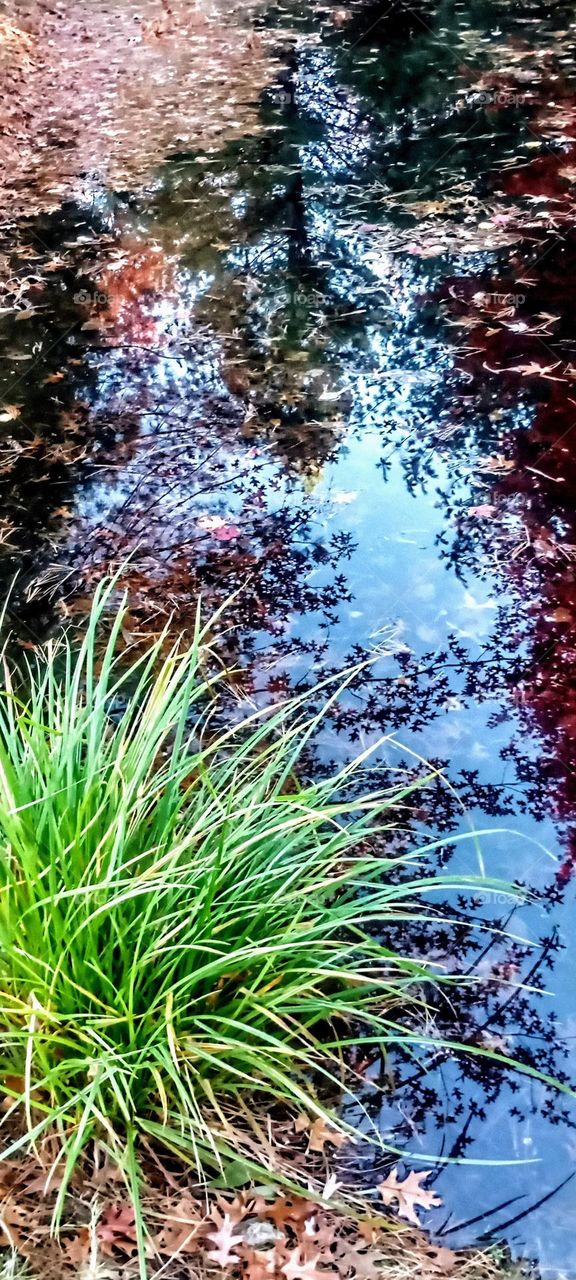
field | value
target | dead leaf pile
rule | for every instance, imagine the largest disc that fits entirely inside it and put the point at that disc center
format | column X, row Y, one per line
column 258, row 1234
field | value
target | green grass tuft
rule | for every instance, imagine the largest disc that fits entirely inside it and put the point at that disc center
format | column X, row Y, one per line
column 183, row 925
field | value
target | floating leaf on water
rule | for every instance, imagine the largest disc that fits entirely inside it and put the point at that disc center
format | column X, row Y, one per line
column 409, row 1194
column 483, row 512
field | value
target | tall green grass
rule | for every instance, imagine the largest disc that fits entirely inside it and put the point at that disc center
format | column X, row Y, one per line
column 184, row 925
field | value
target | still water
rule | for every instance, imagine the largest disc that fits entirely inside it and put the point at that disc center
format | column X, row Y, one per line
column 329, row 358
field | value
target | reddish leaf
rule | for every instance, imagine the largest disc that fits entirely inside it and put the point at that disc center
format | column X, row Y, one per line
column 227, row 532
column 117, row 1229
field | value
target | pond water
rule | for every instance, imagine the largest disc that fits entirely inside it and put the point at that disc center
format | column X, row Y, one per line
column 327, row 358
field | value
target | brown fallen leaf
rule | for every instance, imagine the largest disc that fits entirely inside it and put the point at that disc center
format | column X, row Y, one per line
column 409, row 1194
column 77, row 1250
column 261, row 1263
column 363, row 1264
column 285, row 1209
column 439, row 1260
column 319, row 1133
column 369, row 1228
column 180, row 1231
column 14, row 1219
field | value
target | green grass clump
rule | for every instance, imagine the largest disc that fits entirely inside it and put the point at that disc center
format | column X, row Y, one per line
column 183, row 925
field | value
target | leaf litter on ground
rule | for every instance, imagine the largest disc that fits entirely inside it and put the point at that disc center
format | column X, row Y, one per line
column 257, row 1233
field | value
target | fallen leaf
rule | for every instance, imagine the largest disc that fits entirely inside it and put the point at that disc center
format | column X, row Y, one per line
column 77, row 1250
column 364, row 1264
column 117, row 1229
column 483, row 512
column 298, row 1267
column 534, row 369
column 178, row 1235
column 369, row 1228
column 224, row 1239
column 497, row 464
column 261, row 1263
column 344, row 496
column 319, row 1133
column 227, row 532
column 330, row 1187
column 439, row 1260
column 210, row 523
column 409, row 1194
column 285, row 1209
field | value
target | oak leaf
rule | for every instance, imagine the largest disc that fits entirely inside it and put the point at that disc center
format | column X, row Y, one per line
column 409, row 1194
column 117, row 1229
column 261, row 1263
column 298, row 1267
column 224, row 1240
column 180, row 1230
column 77, row 1250
column 286, row 1209
column 364, row 1264
column 497, row 464
column 319, row 1133
column 533, row 369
